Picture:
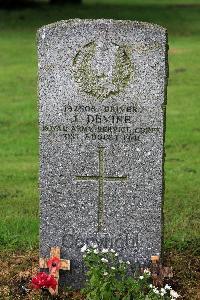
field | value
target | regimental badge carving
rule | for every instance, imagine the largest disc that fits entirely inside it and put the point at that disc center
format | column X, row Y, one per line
column 102, row 70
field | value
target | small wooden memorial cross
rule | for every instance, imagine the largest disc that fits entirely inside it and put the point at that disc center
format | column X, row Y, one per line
column 158, row 272
column 54, row 264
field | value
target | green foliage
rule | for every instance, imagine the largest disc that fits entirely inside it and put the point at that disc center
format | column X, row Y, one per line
column 109, row 278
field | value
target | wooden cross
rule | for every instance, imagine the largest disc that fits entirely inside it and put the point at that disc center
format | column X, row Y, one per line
column 64, row 265
column 100, row 178
column 158, row 272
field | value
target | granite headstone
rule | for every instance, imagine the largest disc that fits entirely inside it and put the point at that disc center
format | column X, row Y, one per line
column 102, row 97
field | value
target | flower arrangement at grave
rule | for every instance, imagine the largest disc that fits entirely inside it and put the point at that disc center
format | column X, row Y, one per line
column 44, row 281
column 109, row 277
column 49, row 281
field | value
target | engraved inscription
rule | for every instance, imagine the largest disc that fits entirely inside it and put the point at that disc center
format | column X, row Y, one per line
column 94, row 73
column 108, row 123
column 101, row 178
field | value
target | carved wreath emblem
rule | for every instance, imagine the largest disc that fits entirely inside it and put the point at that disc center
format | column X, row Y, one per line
column 102, row 71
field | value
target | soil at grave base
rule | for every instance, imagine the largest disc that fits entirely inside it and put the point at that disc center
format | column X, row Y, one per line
column 17, row 269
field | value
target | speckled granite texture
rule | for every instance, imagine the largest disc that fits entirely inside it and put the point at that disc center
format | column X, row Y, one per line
column 102, row 97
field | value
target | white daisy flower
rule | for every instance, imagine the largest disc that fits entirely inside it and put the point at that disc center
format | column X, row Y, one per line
column 84, row 248
column 167, row 287
column 174, row 294
column 104, row 260
column 156, row 291
column 147, row 271
column 163, row 291
column 104, row 250
column 105, row 273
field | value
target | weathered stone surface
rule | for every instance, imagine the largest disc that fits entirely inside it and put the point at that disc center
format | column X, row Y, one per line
column 102, row 87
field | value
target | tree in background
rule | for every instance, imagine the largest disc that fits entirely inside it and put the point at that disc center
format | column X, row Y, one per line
column 17, row 3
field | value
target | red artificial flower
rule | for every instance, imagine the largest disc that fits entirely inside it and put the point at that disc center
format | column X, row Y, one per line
column 54, row 263
column 43, row 280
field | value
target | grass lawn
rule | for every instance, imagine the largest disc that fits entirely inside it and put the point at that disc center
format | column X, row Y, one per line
column 19, row 221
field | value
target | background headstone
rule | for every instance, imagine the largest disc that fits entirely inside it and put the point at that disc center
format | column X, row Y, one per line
column 102, row 90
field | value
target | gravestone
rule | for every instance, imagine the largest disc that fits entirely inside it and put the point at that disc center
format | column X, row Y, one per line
column 102, row 91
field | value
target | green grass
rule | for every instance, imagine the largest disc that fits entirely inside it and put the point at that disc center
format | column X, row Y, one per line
column 182, row 143
column 19, row 220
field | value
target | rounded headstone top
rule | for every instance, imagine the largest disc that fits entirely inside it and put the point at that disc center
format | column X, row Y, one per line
column 74, row 22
